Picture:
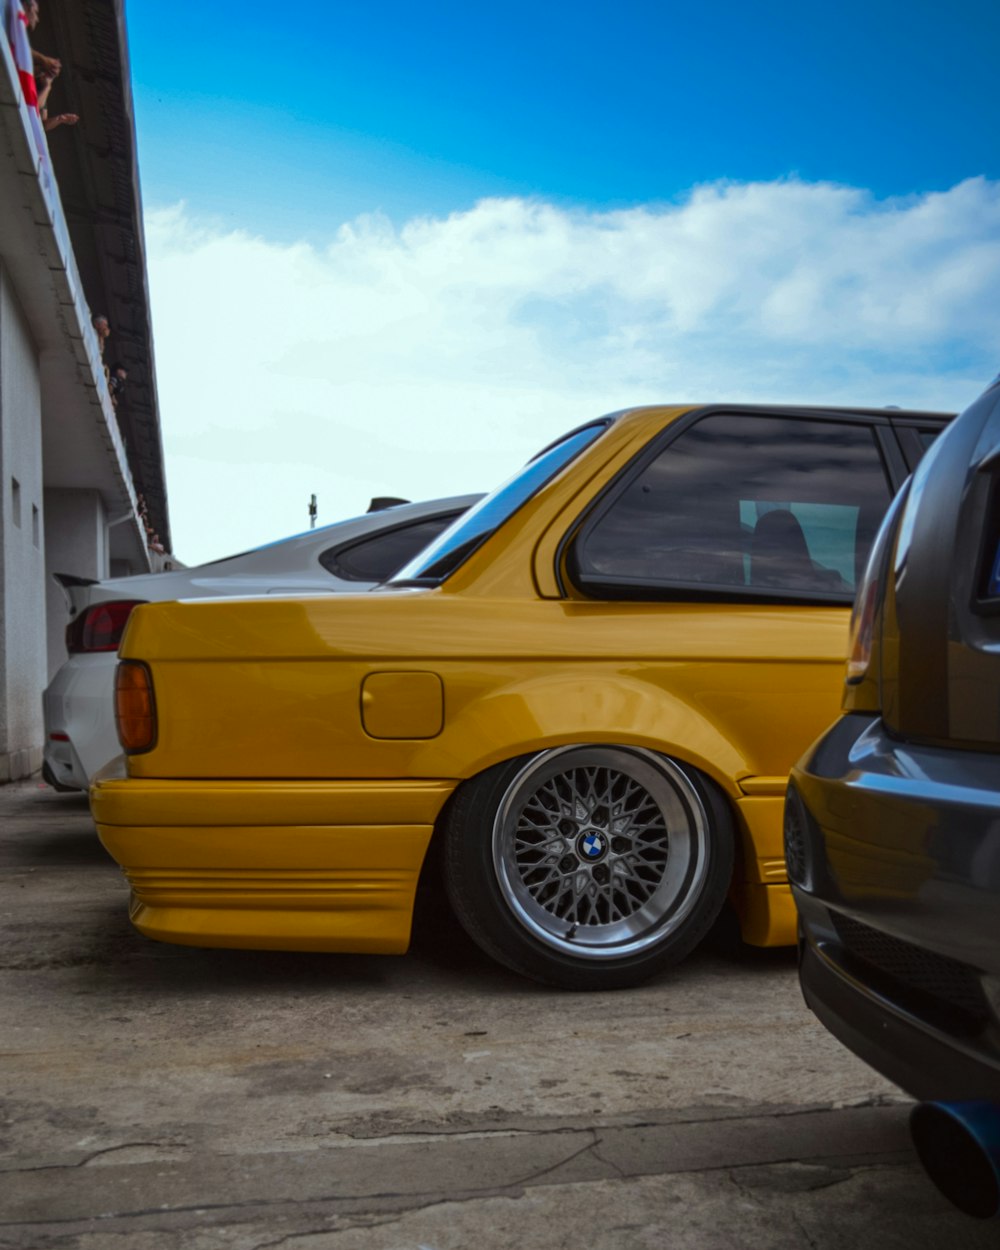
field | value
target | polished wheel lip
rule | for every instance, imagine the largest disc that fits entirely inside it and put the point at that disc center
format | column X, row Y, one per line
column 685, row 864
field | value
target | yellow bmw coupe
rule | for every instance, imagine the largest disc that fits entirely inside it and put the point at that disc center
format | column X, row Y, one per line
column 588, row 691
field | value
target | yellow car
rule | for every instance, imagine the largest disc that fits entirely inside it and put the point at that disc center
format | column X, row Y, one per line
column 588, row 692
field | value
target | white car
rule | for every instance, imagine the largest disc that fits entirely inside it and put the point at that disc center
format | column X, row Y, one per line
column 351, row 555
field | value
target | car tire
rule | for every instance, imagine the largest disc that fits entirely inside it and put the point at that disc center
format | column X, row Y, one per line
column 588, row 867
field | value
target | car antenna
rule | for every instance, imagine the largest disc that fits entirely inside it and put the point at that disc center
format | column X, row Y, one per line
column 312, row 512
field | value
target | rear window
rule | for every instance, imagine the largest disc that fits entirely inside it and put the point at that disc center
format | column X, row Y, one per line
column 988, row 589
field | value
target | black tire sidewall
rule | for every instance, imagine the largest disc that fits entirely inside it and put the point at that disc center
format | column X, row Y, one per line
column 478, row 902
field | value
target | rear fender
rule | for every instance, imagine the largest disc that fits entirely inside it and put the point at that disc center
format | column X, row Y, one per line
column 539, row 713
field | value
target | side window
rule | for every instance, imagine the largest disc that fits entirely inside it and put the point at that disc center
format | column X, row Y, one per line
column 915, row 440
column 377, row 558
column 740, row 505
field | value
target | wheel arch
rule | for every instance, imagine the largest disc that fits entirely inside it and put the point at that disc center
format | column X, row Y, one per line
column 497, row 905
column 523, row 718
column 536, row 714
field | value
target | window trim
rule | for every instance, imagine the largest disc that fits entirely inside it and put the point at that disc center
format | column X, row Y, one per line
column 908, row 434
column 631, row 588
column 600, row 424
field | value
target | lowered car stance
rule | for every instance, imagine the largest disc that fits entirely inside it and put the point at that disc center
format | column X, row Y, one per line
column 587, row 692
column 350, row 555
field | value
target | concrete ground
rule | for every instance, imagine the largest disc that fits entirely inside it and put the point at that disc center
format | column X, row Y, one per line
column 159, row 1097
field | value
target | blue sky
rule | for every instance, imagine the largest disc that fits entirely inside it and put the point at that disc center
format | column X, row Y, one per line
column 401, row 246
column 411, row 108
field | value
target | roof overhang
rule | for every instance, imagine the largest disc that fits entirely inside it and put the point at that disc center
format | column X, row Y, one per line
column 82, row 446
column 98, row 176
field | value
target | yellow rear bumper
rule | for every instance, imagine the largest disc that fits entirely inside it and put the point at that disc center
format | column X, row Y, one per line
column 329, row 866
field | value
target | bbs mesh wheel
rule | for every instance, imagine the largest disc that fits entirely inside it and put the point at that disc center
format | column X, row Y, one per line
column 588, row 867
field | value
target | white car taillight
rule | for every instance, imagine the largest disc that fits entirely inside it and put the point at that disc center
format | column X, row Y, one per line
column 100, row 627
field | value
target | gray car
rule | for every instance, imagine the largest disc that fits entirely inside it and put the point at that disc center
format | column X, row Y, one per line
column 352, row 555
column 892, row 821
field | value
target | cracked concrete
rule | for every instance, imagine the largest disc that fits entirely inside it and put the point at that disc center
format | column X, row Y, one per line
column 171, row 1098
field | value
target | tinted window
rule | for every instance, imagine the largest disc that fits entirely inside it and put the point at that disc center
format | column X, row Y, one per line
column 375, row 559
column 456, row 545
column 989, row 525
column 741, row 504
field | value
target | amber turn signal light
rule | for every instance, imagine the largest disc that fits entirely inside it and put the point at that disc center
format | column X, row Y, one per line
column 135, row 709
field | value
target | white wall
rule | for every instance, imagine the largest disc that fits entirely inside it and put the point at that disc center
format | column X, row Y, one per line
column 57, row 426
column 23, row 650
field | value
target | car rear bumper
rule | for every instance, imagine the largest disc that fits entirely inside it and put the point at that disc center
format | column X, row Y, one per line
column 329, row 866
column 928, row 1062
column 78, row 710
column 894, row 856
column 61, row 765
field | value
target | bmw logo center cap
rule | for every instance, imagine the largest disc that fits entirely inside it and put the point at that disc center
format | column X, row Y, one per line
column 591, row 846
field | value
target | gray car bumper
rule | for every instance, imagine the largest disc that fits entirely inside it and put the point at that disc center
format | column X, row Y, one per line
column 894, row 858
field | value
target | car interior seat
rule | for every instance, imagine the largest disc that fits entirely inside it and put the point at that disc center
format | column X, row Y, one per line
column 779, row 557
column 779, row 554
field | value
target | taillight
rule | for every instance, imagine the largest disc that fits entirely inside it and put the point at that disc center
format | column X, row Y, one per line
column 100, row 627
column 135, row 708
column 859, row 648
column 869, row 595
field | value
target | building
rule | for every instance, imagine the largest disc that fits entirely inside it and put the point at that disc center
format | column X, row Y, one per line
column 73, row 468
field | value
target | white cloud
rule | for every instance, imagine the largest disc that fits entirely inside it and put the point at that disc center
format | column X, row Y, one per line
column 435, row 358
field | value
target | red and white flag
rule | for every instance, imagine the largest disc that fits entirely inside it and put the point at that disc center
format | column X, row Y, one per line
column 17, row 33
column 20, row 46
